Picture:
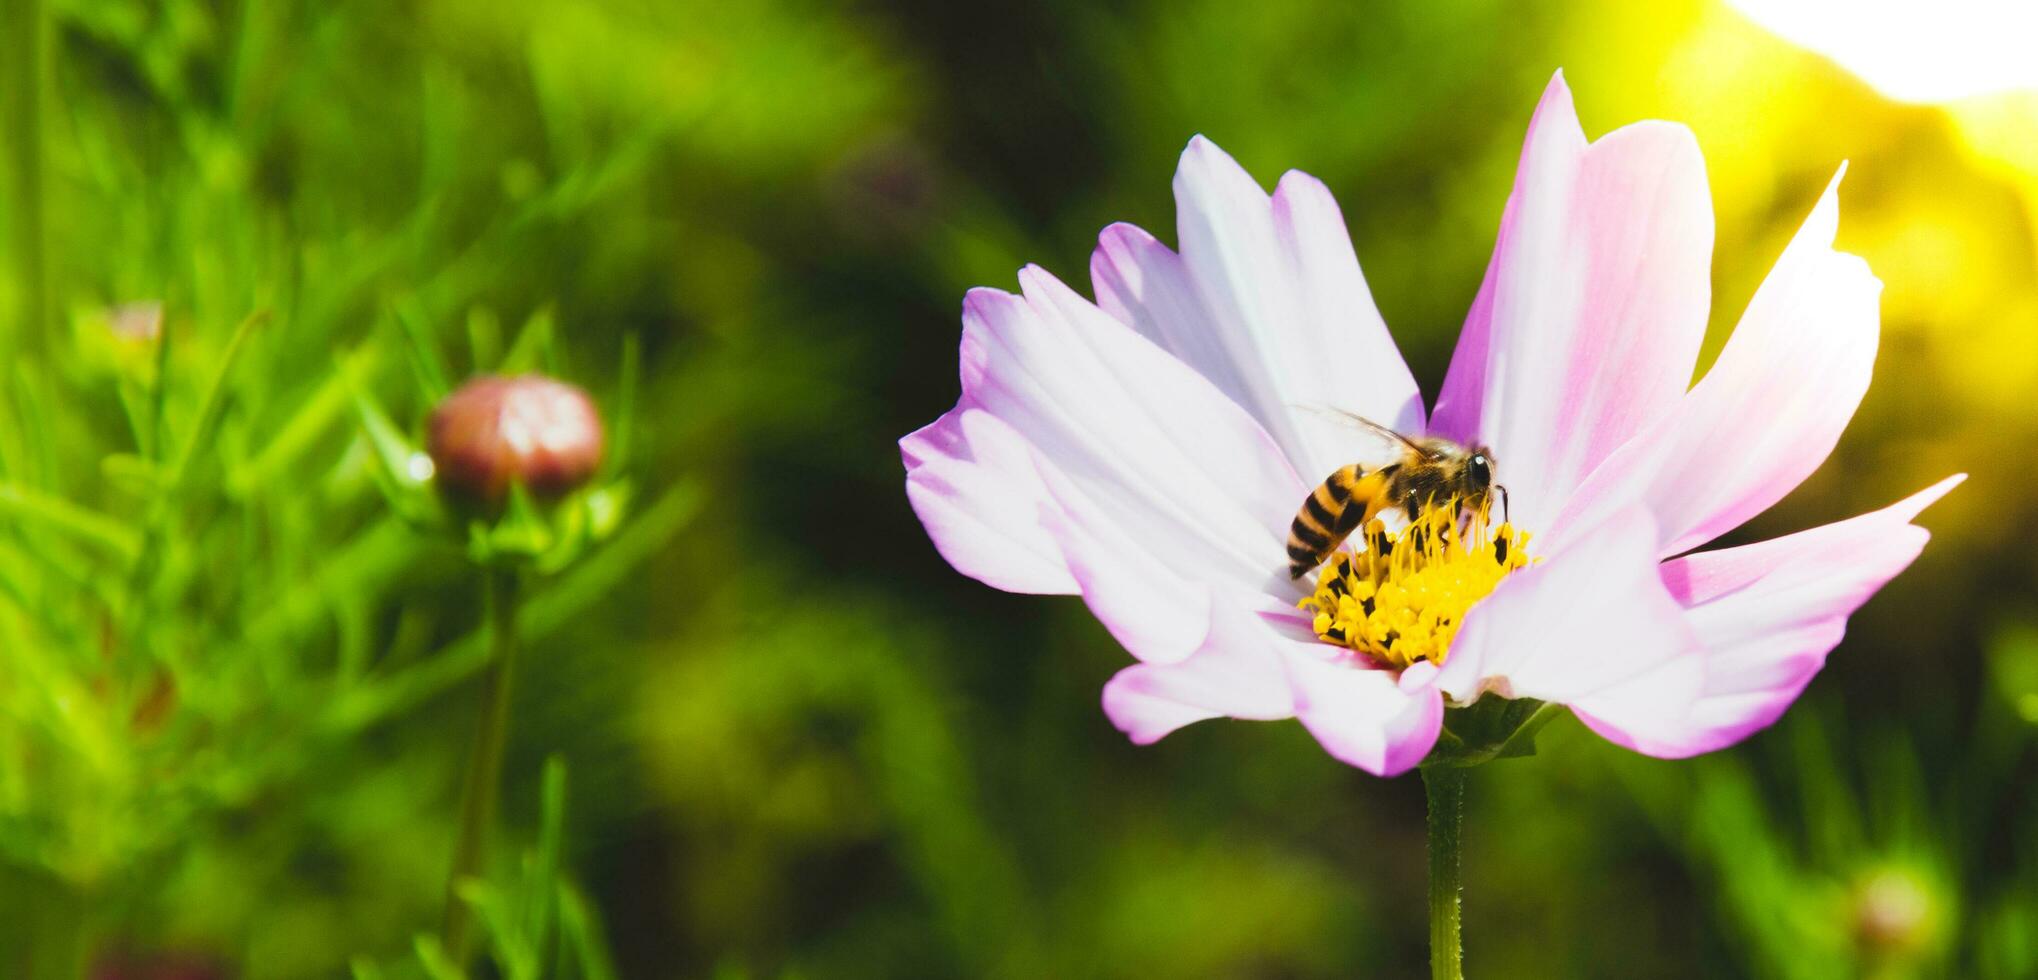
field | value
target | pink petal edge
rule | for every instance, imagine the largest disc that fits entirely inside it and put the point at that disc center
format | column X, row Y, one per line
column 971, row 481
column 1773, row 406
column 1236, row 672
column 1365, row 717
column 1769, row 613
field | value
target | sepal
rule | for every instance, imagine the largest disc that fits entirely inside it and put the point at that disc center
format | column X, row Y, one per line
column 1490, row 728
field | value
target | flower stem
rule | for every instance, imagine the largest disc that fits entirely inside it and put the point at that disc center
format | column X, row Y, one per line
column 484, row 765
column 1445, row 787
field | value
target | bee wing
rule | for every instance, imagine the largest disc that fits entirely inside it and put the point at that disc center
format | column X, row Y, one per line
column 1356, row 420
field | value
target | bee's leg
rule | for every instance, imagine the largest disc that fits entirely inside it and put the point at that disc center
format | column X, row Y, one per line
column 1423, row 496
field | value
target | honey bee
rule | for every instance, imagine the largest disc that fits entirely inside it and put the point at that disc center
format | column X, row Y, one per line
column 1430, row 470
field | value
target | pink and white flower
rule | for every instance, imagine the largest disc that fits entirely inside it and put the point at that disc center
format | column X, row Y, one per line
column 1147, row 451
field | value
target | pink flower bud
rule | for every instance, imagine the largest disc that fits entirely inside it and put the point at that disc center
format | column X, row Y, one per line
column 1893, row 913
column 529, row 429
column 136, row 323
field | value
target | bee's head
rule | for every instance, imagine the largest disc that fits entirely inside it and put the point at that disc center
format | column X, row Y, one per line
column 1479, row 485
column 1478, row 472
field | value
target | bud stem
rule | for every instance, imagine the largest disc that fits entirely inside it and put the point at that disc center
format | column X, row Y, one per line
column 483, row 783
column 1445, row 787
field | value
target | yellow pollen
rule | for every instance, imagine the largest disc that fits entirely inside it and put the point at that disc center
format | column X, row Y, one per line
column 1402, row 599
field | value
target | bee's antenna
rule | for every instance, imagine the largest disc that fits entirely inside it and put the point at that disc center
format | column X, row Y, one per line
column 1504, row 518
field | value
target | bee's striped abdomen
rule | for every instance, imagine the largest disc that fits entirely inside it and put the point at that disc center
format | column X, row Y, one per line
column 1328, row 516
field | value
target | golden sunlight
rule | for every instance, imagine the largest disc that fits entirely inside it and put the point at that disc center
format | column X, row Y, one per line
column 1910, row 51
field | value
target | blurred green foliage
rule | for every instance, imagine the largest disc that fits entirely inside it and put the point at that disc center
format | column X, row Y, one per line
column 232, row 677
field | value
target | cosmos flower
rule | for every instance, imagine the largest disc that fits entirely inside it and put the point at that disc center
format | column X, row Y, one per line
column 1148, row 451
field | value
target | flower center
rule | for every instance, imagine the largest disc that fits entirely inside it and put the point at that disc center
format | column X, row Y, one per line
column 1403, row 598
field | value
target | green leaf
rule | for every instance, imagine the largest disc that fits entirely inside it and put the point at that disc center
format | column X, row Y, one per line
column 533, row 350
column 403, row 472
column 432, row 956
column 212, row 406
column 425, row 361
column 539, row 617
column 138, row 475
column 56, row 514
column 540, row 895
column 312, row 419
column 581, row 932
column 622, row 419
column 484, row 340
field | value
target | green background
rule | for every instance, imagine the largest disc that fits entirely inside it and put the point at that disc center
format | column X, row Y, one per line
column 236, row 687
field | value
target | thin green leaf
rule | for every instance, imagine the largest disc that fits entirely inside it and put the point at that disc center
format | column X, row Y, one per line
column 138, row 475
column 514, row 955
column 157, row 445
column 533, row 348
column 312, row 420
column 539, row 617
column 484, row 339
column 425, row 360
column 372, row 558
column 432, row 956
column 623, row 415
column 539, row 895
column 212, row 407
column 581, row 930
column 403, row 470
column 32, row 395
column 60, row 515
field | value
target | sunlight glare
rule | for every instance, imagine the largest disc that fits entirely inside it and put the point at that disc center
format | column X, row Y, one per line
column 1914, row 51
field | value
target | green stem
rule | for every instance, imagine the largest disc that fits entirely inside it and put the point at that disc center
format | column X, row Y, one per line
column 60, row 947
column 484, row 767
column 25, row 23
column 1445, row 787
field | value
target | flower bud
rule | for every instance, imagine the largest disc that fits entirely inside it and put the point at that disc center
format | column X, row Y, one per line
column 530, row 430
column 1893, row 913
column 136, row 323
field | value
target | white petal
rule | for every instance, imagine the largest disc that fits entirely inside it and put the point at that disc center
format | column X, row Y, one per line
column 1783, row 389
column 1589, row 323
column 1152, row 485
column 972, row 481
column 1768, row 412
column 1591, row 627
column 1267, row 301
